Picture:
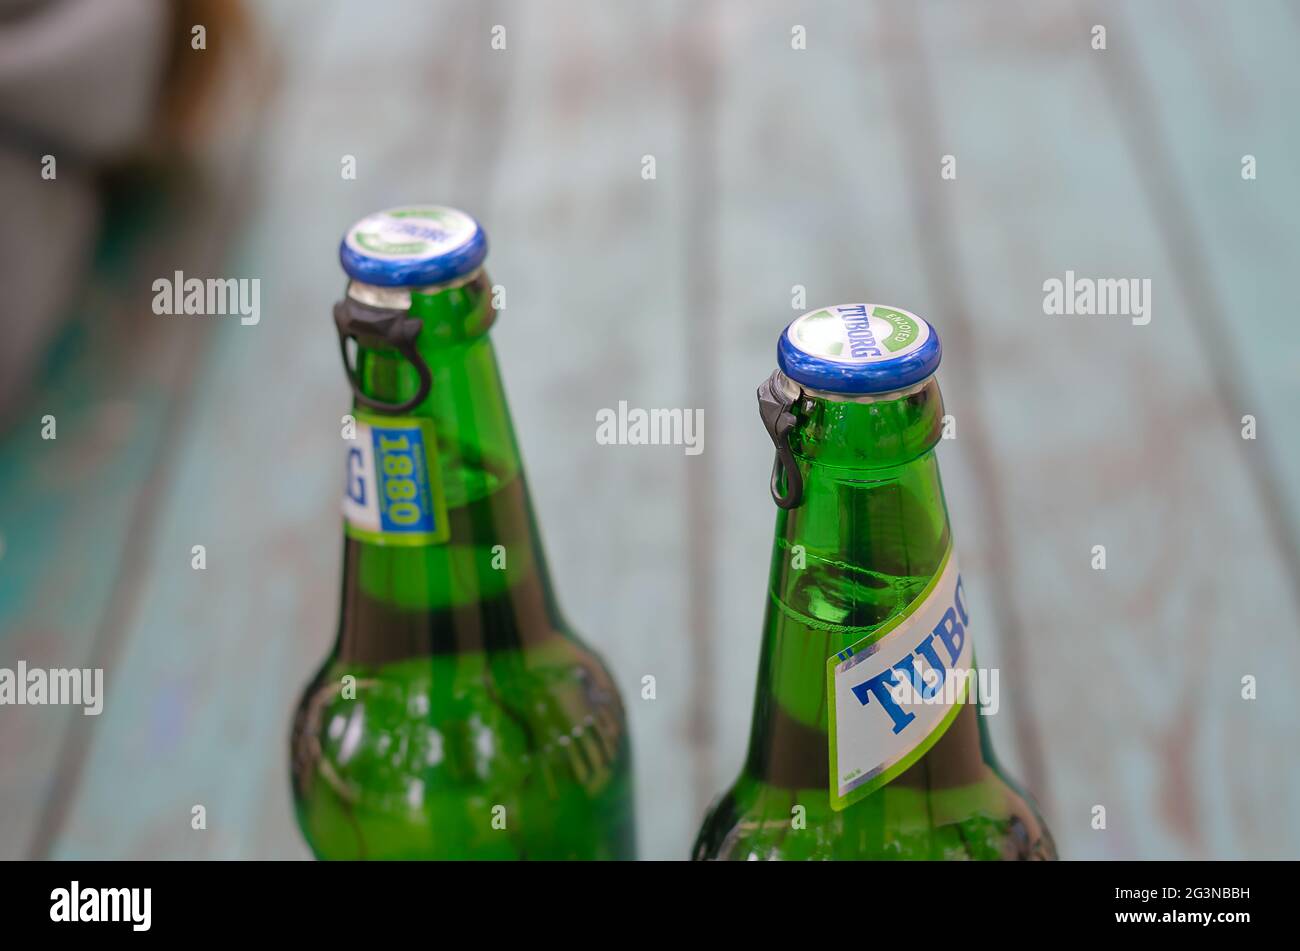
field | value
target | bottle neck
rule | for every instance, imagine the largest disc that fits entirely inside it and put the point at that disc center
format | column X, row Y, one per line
column 485, row 587
column 868, row 535
column 873, row 502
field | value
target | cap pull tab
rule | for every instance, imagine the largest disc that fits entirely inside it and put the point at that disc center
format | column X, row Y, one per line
column 354, row 320
column 776, row 409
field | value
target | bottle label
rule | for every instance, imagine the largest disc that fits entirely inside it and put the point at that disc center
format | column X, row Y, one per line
column 393, row 495
column 895, row 692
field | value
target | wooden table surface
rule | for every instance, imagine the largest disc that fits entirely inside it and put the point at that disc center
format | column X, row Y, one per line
column 774, row 168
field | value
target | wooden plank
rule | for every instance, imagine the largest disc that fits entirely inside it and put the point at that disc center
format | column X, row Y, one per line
column 169, row 724
column 67, row 513
column 74, row 509
column 1211, row 95
column 1201, row 92
column 1100, row 436
column 224, row 651
column 591, row 257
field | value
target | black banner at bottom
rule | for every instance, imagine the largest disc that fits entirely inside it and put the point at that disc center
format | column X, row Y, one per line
column 90, row 900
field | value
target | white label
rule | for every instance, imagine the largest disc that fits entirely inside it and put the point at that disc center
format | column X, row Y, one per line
column 411, row 234
column 895, row 692
column 360, row 503
column 392, row 494
column 859, row 333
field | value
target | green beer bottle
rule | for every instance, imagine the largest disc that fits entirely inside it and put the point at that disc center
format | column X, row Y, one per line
column 458, row 717
column 866, row 743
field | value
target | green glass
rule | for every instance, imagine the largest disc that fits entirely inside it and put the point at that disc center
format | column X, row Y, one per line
column 873, row 527
column 481, row 727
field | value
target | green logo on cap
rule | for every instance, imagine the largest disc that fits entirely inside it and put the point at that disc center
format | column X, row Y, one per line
column 905, row 328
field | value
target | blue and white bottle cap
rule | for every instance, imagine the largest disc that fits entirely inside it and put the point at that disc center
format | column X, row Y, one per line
column 858, row 349
column 413, row 246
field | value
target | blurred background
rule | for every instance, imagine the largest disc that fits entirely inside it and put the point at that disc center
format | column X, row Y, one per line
column 775, row 167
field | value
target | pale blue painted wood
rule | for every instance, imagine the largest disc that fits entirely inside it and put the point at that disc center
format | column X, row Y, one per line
column 75, row 511
column 1110, row 433
column 211, row 663
column 1070, row 432
column 68, row 506
column 591, row 257
column 1225, row 86
column 225, row 651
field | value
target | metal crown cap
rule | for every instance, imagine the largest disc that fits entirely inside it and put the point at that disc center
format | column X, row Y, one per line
column 412, row 246
column 858, row 349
